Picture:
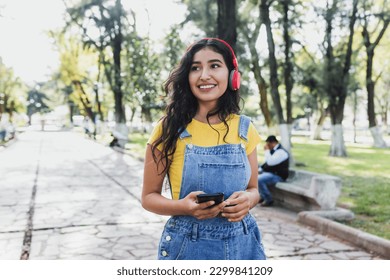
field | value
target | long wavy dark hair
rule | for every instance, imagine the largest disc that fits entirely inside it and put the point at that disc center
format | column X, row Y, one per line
column 183, row 105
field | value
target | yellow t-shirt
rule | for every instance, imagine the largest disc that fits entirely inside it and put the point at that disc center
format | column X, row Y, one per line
column 205, row 136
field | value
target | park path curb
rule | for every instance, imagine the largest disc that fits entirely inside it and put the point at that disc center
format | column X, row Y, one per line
column 356, row 237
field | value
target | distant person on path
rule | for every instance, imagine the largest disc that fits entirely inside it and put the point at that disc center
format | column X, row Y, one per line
column 3, row 132
column 273, row 170
column 204, row 146
column 114, row 142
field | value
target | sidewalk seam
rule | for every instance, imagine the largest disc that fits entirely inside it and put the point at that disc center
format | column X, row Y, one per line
column 115, row 181
column 27, row 239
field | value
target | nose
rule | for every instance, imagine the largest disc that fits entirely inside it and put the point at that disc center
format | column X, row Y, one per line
column 205, row 74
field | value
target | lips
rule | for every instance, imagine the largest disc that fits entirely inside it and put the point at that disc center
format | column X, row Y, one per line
column 206, row 86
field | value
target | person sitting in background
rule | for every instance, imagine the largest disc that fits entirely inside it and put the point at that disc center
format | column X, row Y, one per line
column 274, row 169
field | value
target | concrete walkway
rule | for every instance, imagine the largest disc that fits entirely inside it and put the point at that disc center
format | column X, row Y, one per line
column 63, row 196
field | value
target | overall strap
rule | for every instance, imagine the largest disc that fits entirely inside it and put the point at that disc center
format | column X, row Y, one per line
column 184, row 134
column 244, row 127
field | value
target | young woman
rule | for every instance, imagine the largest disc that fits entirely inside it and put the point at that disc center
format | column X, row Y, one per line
column 204, row 146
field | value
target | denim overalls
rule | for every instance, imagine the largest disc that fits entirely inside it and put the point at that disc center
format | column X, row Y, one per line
column 222, row 168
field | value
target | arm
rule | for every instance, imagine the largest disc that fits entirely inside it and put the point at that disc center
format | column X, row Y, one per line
column 244, row 200
column 277, row 157
column 153, row 201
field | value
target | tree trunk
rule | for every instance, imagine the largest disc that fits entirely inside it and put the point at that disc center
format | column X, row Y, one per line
column 147, row 114
column 288, row 66
column 96, row 86
column 337, row 79
column 256, row 69
column 227, row 21
column 385, row 117
column 71, row 111
column 317, row 131
column 355, row 104
column 370, row 84
column 370, row 90
column 377, row 137
column 99, row 107
column 285, row 140
column 337, row 148
column 320, row 124
column 133, row 110
column 274, row 82
column 120, row 116
column 374, row 129
column 264, row 101
column 85, row 101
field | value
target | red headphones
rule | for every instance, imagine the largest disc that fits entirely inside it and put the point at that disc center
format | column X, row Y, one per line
column 234, row 76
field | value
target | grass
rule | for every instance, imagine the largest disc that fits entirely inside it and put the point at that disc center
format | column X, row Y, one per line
column 137, row 144
column 364, row 173
column 365, row 177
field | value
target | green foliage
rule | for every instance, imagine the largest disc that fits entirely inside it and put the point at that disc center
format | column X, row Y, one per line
column 174, row 48
column 78, row 65
column 37, row 102
column 137, row 144
column 204, row 14
column 12, row 94
column 142, row 76
column 103, row 24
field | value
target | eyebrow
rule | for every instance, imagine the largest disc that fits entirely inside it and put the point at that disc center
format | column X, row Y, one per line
column 210, row 61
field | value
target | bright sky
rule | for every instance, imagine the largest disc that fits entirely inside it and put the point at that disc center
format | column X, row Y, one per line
column 25, row 47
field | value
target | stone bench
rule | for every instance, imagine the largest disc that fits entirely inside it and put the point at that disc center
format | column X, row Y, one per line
column 304, row 190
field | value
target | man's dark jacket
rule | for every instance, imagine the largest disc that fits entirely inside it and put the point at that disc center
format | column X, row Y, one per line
column 280, row 169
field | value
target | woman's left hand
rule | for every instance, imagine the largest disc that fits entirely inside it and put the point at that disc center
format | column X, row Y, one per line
column 238, row 206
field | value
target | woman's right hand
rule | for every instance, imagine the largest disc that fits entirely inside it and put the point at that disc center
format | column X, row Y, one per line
column 201, row 210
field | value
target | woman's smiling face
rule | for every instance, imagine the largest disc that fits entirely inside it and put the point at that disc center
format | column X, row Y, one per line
column 208, row 76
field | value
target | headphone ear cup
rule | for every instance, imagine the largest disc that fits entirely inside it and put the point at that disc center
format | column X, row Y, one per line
column 234, row 80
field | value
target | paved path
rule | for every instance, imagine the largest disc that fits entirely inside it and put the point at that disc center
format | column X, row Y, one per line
column 66, row 197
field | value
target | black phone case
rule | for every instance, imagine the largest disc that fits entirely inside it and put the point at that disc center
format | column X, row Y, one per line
column 217, row 197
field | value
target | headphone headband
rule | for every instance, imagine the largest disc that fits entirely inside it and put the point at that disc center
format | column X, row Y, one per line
column 235, row 63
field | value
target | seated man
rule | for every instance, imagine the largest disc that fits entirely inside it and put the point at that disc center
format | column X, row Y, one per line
column 275, row 169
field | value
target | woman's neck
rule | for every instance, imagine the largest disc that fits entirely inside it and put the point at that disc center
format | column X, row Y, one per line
column 201, row 116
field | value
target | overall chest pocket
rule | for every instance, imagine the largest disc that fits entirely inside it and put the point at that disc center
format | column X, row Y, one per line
column 223, row 177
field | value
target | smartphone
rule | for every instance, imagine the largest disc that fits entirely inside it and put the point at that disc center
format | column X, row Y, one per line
column 217, row 197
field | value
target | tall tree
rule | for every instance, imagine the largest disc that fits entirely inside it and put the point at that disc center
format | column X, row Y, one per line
column 250, row 27
column 370, row 44
column 288, row 56
column 37, row 102
column 105, row 18
column 273, row 69
column 336, row 74
column 226, row 22
column 10, row 88
column 76, row 60
column 384, row 100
